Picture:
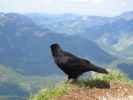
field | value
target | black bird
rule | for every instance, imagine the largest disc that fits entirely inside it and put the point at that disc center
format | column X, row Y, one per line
column 72, row 65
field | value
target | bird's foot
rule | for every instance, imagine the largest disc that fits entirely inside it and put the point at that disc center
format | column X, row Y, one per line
column 71, row 81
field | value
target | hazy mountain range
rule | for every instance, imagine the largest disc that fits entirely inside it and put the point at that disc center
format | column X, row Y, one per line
column 25, row 55
column 23, row 43
column 109, row 32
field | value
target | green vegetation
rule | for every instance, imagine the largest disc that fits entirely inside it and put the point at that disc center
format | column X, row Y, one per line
column 99, row 80
column 15, row 85
column 49, row 94
column 12, row 98
column 21, row 86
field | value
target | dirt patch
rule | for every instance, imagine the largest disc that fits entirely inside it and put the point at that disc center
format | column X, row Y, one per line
column 117, row 91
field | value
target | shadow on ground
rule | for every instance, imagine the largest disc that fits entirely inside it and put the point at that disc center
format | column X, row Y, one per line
column 97, row 83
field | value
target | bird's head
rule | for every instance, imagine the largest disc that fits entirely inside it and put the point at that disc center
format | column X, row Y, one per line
column 55, row 46
column 56, row 49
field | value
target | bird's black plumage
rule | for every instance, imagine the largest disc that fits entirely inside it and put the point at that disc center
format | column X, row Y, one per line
column 72, row 65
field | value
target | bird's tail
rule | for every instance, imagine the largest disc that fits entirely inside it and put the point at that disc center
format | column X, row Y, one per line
column 98, row 69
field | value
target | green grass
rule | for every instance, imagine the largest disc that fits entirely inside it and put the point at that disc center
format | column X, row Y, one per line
column 98, row 81
column 103, row 81
column 49, row 94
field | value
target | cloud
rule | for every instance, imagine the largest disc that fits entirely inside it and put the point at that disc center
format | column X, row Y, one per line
column 97, row 1
column 90, row 7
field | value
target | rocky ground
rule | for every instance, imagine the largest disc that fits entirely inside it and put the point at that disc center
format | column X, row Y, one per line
column 115, row 91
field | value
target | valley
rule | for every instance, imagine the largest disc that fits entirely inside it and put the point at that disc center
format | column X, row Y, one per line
column 25, row 56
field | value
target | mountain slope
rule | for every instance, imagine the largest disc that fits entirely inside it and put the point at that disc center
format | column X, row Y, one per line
column 12, row 84
column 108, row 32
column 68, row 23
column 15, row 86
column 25, row 46
column 113, row 86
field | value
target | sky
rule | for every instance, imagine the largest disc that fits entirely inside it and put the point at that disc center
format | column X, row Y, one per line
column 85, row 7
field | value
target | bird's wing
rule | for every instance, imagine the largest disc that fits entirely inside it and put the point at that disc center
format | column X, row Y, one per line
column 76, row 62
column 70, row 55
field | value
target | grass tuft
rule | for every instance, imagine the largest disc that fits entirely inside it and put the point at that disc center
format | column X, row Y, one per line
column 49, row 94
column 102, row 80
column 98, row 81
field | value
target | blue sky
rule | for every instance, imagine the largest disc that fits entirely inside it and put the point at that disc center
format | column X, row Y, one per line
column 87, row 7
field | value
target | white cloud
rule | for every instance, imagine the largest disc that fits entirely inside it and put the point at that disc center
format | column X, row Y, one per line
column 123, row 3
column 97, row 1
column 90, row 7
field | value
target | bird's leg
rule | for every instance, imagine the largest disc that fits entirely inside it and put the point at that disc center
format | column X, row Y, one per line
column 71, row 79
column 68, row 79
